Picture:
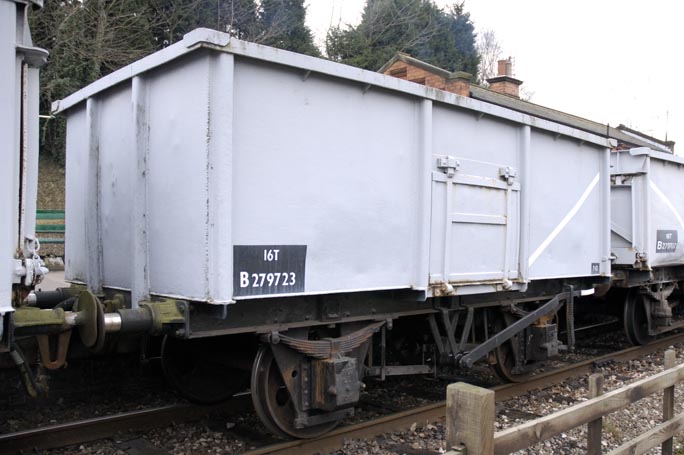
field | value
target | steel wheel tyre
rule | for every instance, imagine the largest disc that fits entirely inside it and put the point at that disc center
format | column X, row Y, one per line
column 635, row 319
column 272, row 400
column 505, row 362
column 504, row 356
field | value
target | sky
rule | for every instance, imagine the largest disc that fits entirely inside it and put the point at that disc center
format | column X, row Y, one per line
column 616, row 62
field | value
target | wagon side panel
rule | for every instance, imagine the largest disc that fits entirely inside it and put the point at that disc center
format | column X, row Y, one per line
column 475, row 220
column 666, row 216
column 567, row 208
column 75, row 248
column 177, row 182
column 329, row 167
column 116, row 177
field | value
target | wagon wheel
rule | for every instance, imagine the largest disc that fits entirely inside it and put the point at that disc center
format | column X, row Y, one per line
column 203, row 370
column 273, row 403
column 503, row 358
column 635, row 318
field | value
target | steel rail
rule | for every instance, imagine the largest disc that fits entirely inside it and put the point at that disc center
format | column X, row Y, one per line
column 78, row 432
column 435, row 412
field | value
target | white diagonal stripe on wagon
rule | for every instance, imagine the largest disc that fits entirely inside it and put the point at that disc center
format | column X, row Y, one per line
column 667, row 202
column 570, row 215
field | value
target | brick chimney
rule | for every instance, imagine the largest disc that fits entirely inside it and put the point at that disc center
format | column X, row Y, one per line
column 504, row 82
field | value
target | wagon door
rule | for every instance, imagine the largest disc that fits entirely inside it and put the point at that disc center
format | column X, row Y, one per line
column 475, row 224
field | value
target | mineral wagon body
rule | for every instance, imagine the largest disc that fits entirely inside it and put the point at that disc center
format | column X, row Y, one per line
column 197, row 170
column 236, row 188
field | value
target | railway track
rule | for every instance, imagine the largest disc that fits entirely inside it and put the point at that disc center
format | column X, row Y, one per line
column 435, row 412
column 79, row 432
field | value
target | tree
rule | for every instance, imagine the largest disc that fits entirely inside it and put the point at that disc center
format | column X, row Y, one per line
column 490, row 53
column 177, row 17
column 444, row 38
column 489, row 49
column 282, row 26
column 277, row 23
column 87, row 40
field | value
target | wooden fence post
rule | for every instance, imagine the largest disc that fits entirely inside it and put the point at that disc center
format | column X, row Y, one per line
column 470, row 418
column 595, row 427
column 668, row 400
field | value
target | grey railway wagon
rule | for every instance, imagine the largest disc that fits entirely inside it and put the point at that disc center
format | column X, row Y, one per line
column 647, row 205
column 284, row 222
column 218, row 170
column 20, row 61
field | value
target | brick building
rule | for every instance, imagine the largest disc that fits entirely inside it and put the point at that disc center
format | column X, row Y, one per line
column 504, row 90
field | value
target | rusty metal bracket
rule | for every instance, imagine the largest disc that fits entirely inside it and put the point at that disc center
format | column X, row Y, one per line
column 327, row 347
column 449, row 323
column 167, row 311
column 62, row 349
column 570, row 317
column 467, row 360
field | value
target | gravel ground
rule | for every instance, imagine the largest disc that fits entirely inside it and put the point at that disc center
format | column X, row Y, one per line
column 85, row 389
column 618, row 427
column 217, row 434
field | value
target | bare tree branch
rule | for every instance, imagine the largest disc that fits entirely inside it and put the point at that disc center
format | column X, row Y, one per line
column 490, row 52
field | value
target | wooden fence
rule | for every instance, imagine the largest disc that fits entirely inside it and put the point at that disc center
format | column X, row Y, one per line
column 470, row 417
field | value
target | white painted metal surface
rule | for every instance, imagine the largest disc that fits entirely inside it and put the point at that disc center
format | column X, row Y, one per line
column 9, row 152
column 189, row 164
column 19, row 63
column 647, row 208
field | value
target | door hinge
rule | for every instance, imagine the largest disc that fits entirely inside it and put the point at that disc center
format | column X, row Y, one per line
column 449, row 165
column 508, row 174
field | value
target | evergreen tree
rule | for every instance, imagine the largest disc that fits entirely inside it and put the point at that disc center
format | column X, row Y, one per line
column 177, row 17
column 283, row 26
column 86, row 40
column 444, row 38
